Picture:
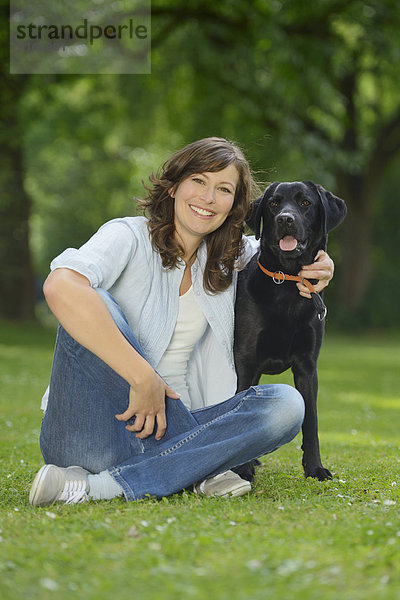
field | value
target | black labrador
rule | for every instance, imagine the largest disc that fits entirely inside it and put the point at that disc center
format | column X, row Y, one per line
column 275, row 327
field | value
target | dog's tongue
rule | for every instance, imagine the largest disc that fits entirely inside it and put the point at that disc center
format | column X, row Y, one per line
column 288, row 243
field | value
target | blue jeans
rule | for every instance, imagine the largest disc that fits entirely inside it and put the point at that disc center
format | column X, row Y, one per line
column 79, row 426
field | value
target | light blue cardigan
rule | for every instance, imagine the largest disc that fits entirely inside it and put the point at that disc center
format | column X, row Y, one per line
column 120, row 259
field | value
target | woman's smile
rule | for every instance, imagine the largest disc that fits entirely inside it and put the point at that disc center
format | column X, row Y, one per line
column 202, row 212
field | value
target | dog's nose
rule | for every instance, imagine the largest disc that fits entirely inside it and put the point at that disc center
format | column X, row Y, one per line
column 285, row 219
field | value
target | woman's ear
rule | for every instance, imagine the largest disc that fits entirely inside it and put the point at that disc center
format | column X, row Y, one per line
column 171, row 192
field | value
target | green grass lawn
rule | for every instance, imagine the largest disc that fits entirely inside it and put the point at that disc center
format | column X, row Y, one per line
column 291, row 538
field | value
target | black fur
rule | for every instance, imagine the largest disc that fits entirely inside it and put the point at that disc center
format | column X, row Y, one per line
column 275, row 328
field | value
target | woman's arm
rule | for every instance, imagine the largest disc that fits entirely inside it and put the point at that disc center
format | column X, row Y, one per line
column 322, row 269
column 83, row 314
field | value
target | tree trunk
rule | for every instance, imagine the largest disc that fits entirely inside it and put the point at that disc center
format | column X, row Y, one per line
column 16, row 272
column 356, row 240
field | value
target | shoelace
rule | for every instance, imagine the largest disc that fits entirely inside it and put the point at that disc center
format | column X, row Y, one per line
column 201, row 486
column 74, row 492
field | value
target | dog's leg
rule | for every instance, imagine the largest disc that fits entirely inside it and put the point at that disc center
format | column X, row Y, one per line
column 248, row 470
column 246, row 379
column 246, row 364
column 306, row 382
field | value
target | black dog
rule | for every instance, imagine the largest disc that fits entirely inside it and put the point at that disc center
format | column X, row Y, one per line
column 275, row 327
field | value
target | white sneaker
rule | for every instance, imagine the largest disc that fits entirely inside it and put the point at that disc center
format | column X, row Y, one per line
column 224, row 484
column 58, row 484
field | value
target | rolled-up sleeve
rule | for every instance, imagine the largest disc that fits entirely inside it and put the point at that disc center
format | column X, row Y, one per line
column 103, row 257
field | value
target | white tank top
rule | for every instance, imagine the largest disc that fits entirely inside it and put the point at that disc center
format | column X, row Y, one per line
column 190, row 327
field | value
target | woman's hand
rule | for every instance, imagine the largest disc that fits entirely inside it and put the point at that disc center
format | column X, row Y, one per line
column 147, row 404
column 322, row 269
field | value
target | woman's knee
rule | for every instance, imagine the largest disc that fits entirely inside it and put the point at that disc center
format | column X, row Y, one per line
column 278, row 413
column 288, row 405
column 293, row 401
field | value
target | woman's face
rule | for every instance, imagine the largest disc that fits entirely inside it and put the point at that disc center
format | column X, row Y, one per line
column 203, row 201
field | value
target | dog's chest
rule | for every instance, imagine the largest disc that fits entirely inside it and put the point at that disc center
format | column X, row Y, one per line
column 275, row 346
column 274, row 323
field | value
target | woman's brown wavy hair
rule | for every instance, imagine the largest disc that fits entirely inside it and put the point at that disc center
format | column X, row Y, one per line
column 225, row 244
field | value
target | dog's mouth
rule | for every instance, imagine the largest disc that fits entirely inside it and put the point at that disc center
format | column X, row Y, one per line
column 290, row 244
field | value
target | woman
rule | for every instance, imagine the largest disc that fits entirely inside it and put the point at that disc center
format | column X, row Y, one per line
column 142, row 391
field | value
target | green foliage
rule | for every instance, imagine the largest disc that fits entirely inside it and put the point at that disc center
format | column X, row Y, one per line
column 85, row 163
column 380, row 305
column 309, row 90
column 291, row 537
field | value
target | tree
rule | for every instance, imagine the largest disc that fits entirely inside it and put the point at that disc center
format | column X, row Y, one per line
column 323, row 78
column 16, row 272
column 319, row 78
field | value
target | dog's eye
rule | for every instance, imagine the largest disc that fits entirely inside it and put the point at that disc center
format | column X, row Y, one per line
column 305, row 202
column 273, row 203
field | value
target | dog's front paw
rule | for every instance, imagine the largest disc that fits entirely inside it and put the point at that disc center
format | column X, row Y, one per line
column 318, row 472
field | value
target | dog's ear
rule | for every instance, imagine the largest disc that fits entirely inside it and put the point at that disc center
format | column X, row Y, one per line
column 256, row 210
column 254, row 219
column 333, row 208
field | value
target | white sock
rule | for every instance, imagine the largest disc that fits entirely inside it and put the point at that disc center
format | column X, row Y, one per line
column 103, row 487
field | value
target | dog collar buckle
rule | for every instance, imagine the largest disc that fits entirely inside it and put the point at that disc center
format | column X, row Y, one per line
column 281, row 279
